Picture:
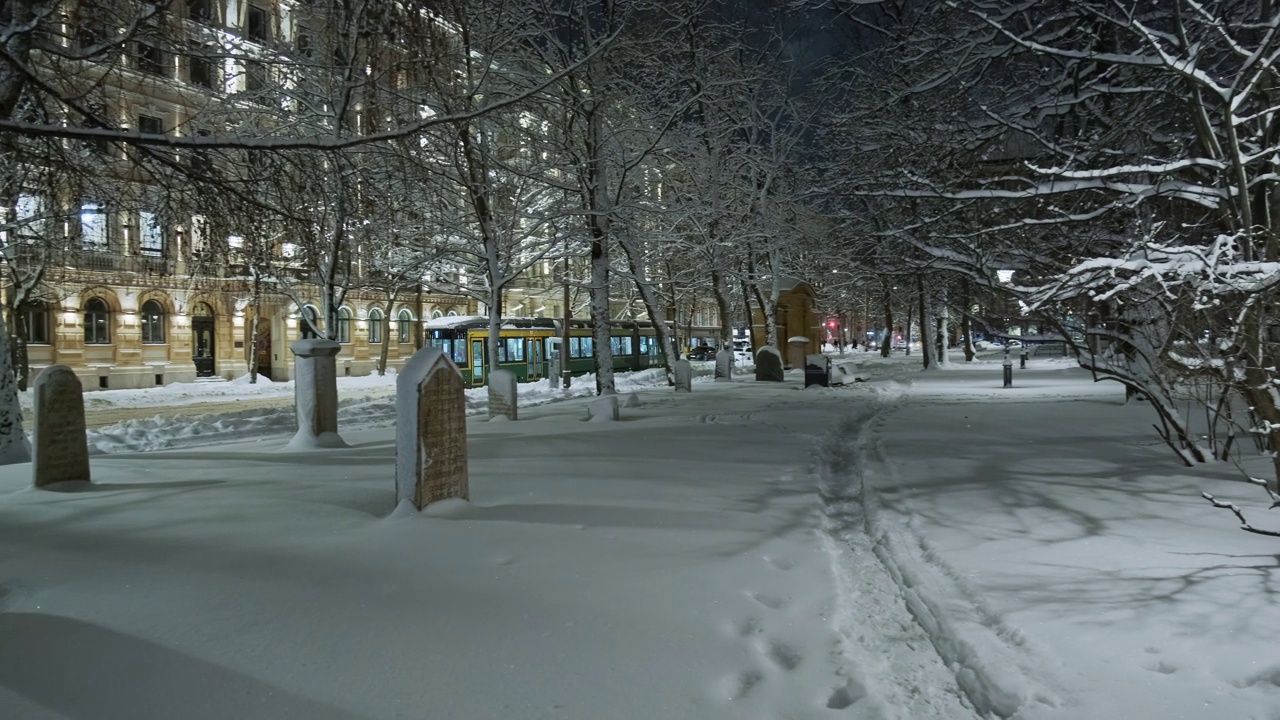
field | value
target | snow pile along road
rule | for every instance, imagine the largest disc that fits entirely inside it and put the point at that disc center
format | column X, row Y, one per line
column 367, row 411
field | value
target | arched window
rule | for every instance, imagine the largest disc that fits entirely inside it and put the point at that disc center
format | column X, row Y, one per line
column 344, row 325
column 36, row 316
column 453, row 313
column 308, row 320
column 377, row 323
column 436, row 314
column 405, row 322
column 152, row 323
column 97, row 322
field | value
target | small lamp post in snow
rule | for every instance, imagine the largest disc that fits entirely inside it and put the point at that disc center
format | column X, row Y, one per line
column 1008, row 368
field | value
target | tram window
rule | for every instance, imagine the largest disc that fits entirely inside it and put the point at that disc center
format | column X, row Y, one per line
column 459, row 354
column 514, row 349
column 581, row 347
column 621, row 345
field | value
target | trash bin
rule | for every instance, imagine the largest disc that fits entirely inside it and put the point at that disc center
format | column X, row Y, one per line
column 817, row 370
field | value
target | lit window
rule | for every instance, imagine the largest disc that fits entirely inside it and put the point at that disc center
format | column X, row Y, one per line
column 405, row 322
column 36, row 317
column 150, row 235
column 377, row 322
column 93, row 226
column 152, row 323
column 344, row 325
column 97, row 322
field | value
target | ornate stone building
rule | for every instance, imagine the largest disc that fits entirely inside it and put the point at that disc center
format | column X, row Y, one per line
column 127, row 293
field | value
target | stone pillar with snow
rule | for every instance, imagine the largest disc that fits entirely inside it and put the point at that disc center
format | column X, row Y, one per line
column 316, row 393
column 431, row 430
column 503, row 392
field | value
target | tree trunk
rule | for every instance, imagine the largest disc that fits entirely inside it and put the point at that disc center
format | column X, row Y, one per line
column 654, row 307
column 886, row 345
column 386, row 335
column 746, row 306
column 722, row 304
column 966, row 327
column 253, row 328
column 926, row 358
column 21, row 360
column 13, row 440
column 600, row 315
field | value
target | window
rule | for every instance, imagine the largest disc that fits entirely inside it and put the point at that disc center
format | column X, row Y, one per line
column 199, row 67
column 97, row 322
column 436, row 314
column 152, row 323
column 511, row 350
column 150, row 235
column 581, row 347
column 201, row 11
column 149, row 57
column 344, row 325
column 302, row 44
column 93, row 226
column 404, row 321
column 255, row 76
column 258, row 24
column 150, row 125
column 28, row 217
column 308, row 322
column 36, row 317
column 377, row 323
column 620, row 345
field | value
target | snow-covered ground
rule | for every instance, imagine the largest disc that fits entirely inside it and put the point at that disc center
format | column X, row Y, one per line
column 917, row 546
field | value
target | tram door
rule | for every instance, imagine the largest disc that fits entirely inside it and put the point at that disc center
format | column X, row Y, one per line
column 533, row 356
column 477, row 362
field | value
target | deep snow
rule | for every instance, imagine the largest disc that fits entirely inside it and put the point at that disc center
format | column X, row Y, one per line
column 920, row 545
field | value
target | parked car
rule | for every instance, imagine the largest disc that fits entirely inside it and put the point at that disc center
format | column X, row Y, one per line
column 702, row 352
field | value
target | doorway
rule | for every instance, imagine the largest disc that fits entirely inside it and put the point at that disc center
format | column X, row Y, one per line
column 262, row 347
column 202, row 340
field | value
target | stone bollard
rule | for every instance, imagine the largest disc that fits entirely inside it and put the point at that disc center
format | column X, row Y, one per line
column 504, row 389
column 60, row 448
column 431, row 430
column 1023, row 365
column 315, row 389
column 1008, row 370
column 684, row 375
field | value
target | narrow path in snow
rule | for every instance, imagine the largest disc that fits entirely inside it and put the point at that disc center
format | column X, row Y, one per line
column 901, row 609
column 893, row 668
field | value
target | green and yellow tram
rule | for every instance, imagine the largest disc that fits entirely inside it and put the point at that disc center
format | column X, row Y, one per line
column 526, row 345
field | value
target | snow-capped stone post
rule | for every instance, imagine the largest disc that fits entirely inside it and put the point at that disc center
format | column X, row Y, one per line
column 431, row 430
column 503, row 389
column 553, row 370
column 603, row 409
column 724, row 365
column 769, row 364
column 315, row 393
column 684, row 375
column 60, row 445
